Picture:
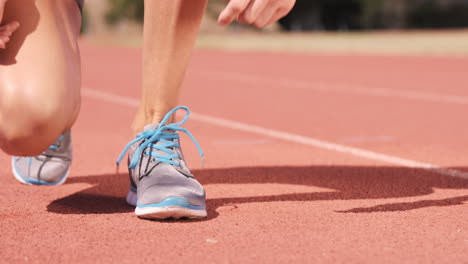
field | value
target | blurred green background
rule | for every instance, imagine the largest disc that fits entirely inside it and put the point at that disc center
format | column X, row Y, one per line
column 337, row 14
column 388, row 26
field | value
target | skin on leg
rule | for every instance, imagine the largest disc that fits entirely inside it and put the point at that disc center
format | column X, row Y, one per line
column 39, row 75
column 170, row 31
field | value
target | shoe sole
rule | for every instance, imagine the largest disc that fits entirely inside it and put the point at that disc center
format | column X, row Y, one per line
column 172, row 207
column 36, row 182
column 174, row 212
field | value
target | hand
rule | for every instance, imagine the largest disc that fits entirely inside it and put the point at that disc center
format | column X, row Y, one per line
column 6, row 29
column 260, row 13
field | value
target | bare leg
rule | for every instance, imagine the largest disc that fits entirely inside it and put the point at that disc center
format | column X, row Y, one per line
column 39, row 75
column 170, row 31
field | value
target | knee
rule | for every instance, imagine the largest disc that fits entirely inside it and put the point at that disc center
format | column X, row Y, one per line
column 32, row 133
column 30, row 124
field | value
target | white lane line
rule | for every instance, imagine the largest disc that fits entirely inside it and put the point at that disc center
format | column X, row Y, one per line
column 290, row 137
column 246, row 78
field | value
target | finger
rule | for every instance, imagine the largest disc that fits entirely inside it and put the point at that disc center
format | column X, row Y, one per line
column 277, row 16
column 5, row 33
column 4, row 40
column 232, row 11
column 265, row 17
column 241, row 20
column 2, row 7
column 10, row 27
column 254, row 10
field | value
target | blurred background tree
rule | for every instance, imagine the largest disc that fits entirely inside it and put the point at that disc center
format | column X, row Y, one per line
column 438, row 14
column 376, row 14
column 125, row 9
column 341, row 15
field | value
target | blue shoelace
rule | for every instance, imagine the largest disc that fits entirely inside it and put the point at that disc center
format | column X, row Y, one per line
column 162, row 140
column 56, row 143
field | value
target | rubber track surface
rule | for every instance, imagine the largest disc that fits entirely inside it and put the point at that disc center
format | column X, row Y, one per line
column 270, row 200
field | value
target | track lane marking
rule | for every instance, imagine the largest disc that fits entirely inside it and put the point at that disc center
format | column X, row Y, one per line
column 290, row 137
column 247, row 78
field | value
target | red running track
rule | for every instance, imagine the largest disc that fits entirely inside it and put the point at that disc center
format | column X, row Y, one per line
column 309, row 158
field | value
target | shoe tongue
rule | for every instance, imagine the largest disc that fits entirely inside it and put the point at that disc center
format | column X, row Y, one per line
column 154, row 126
column 150, row 127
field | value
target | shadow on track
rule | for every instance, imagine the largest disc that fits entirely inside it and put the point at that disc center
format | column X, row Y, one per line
column 106, row 195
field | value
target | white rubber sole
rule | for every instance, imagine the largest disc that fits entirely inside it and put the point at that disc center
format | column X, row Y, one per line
column 20, row 179
column 175, row 212
column 169, row 212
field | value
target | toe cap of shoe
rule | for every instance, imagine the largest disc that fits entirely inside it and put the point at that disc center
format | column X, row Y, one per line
column 39, row 172
column 189, row 189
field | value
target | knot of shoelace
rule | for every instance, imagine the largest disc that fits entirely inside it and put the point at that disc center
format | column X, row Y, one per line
column 162, row 139
column 56, row 144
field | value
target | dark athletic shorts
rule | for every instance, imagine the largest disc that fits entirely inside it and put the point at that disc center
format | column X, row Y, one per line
column 80, row 4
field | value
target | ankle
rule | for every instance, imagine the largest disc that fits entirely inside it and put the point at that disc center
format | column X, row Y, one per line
column 147, row 117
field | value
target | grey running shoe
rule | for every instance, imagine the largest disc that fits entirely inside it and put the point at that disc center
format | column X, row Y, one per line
column 49, row 168
column 161, row 185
